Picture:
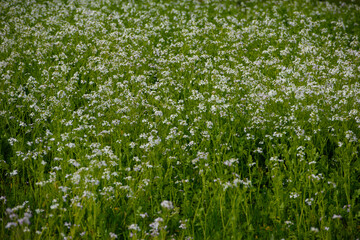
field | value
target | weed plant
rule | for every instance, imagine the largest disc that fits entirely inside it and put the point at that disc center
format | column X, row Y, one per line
column 181, row 119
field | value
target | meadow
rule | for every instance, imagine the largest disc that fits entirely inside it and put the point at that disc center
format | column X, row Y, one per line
column 179, row 119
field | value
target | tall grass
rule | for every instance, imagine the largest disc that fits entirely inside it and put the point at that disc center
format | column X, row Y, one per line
column 179, row 119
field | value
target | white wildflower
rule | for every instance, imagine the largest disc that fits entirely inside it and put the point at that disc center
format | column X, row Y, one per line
column 167, row 204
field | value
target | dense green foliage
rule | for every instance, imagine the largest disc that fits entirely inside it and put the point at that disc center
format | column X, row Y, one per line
column 201, row 119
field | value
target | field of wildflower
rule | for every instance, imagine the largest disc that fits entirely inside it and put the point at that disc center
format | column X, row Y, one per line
column 179, row 119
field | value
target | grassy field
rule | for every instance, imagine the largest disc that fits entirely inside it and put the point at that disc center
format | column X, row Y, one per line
column 187, row 119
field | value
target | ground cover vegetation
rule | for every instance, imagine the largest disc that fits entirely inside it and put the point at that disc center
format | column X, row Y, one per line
column 182, row 119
